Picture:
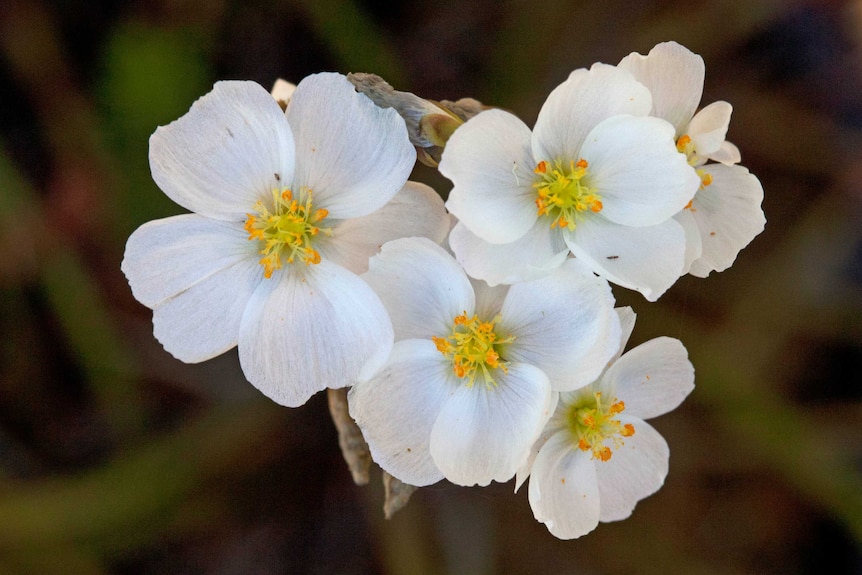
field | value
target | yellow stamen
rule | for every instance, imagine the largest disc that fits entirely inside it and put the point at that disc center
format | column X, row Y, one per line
column 685, row 145
column 562, row 195
column 616, row 408
column 591, row 422
column 705, row 178
column 474, row 347
column 285, row 233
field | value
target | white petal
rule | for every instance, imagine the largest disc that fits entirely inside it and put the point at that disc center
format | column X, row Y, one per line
column 415, row 211
column 648, row 259
column 484, row 434
column 564, row 324
column 564, row 492
column 708, row 128
column 728, row 154
column 489, row 162
column 627, row 325
column 636, row 470
column 353, row 155
column 489, row 299
column 674, row 76
column 729, row 215
column 549, row 430
column 579, row 104
column 397, row 408
column 693, row 241
column 203, row 321
column 229, row 151
column 311, row 328
column 653, row 378
column 636, row 169
column 422, row 287
column 164, row 257
column 536, row 254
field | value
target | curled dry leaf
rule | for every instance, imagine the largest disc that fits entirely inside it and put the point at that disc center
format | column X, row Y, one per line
column 397, row 494
column 353, row 446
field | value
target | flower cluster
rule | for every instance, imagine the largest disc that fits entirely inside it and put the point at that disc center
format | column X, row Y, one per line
column 479, row 338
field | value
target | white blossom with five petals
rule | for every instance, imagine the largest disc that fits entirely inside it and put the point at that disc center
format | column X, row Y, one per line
column 725, row 214
column 597, row 457
column 288, row 207
column 596, row 177
column 475, row 371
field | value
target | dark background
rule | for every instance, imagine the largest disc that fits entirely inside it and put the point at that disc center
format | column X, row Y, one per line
column 116, row 458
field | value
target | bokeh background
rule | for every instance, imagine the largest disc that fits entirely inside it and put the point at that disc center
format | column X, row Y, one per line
column 117, row 459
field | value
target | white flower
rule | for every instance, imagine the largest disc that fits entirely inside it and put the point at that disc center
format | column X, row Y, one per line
column 474, row 371
column 596, row 177
column 725, row 214
column 597, row 457
column 287, row 210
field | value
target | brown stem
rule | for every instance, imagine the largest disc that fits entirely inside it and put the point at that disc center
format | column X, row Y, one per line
column 397, row 494
column 353, row 446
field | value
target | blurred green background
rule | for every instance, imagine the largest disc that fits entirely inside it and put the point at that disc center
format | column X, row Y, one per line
column 116, row 458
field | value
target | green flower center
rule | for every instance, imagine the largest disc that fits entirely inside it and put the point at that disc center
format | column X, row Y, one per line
column 591, row 420
column 474, row 347
column 287, row 232
column 562, row 195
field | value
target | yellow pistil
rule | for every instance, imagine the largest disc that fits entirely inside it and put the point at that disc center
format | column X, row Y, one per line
column 591, row 421
column 474, row 347
column 286, row 233
column 562, row 195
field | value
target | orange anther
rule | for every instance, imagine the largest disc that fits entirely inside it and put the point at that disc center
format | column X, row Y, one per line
column 683, row 141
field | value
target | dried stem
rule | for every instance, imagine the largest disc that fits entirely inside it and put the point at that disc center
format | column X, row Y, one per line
column 397, row 494
column 353, row 446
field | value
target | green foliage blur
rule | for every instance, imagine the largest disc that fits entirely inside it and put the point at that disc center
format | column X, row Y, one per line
column 116, row 458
